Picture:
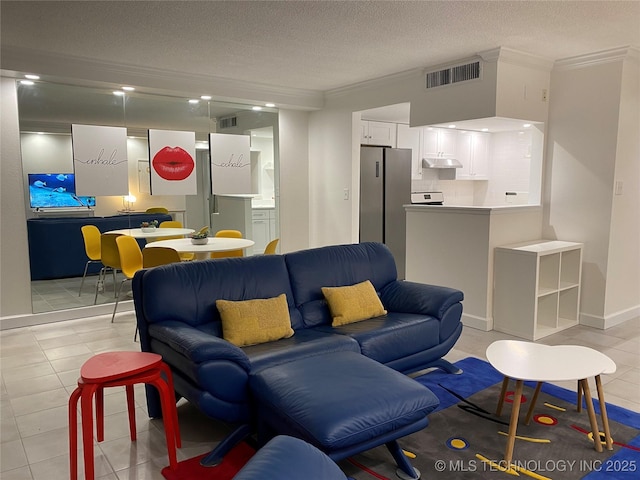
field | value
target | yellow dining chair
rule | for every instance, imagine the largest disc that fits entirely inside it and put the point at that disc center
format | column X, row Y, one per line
column 110, row 259
column 156, row 256
column 130, row 263
column 270, row 249
column 157, row 210
column 230, row 253
column 91, row 238
column 176, row 224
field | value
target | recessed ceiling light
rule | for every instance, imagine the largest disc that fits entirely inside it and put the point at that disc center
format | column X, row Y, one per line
column 26, row 82
column 269, row 105
column 452, row 126
column 485, row 129
column 119, row 93
column 526, row 125
column 128, row 89
column 40, row 133
column 32, row 77
column 194, row 100
column 256, row 108
column 206, row 97
column 520, row 133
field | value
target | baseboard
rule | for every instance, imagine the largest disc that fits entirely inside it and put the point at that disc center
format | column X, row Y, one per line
column 479, row 323
column 610, row 320
column 30, row 319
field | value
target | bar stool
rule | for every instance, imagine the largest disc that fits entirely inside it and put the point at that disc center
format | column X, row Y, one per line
column 116, row 369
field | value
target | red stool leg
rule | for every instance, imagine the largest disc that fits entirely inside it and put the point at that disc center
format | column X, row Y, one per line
column 131, row 407
column 100, row 414
column 169, row 378
column 167, row 401
column 73, row 433
column 86, row 402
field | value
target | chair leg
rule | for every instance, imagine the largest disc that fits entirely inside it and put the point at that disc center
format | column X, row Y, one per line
column 86, row 402
column 99, row 414
column 115, row 307
column 86, row 267
column 168, row 403
column 131, row 407
column 101, row 276
column 532, row 405
column 169, row 379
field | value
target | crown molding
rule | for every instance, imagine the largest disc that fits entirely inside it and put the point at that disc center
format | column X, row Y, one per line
column 379, row 82
column 516, row 57
column 90, row 72
column 596, row 58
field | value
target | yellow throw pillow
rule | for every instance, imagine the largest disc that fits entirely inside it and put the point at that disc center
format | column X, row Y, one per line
column 353, row 303
column 250, row 322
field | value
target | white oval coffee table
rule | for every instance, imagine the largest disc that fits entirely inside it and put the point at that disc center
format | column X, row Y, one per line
column 550, row 363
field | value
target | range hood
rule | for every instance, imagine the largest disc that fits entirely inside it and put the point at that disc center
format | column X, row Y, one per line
column 440, row 162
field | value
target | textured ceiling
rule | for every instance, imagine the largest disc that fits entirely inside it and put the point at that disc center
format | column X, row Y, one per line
column 313, row 45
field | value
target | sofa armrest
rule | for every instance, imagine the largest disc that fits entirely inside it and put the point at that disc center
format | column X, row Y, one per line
column 197, row 345
column 412, row 297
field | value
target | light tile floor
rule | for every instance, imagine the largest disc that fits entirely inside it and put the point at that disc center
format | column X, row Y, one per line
column 40, row 365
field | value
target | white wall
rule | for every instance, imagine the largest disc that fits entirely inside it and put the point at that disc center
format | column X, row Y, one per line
column 293, row 191
column 591, row 142
column 15, row 281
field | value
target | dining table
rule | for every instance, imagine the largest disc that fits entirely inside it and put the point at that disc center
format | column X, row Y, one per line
column 153, row 233
column 203, row 251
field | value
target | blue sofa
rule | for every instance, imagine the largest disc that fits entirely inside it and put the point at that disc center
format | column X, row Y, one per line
column 177, row 318
column 56, row 247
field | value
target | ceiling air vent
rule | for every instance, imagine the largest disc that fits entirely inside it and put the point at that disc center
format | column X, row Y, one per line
column 228, row 122
column 459, row 73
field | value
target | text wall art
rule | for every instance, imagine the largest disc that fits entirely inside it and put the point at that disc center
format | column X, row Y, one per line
column 230, row 164
column 172, row 157
column 100, row 160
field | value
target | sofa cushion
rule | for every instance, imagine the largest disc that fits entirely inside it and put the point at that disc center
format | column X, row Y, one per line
column 335, row 266
column 249, row 322
column 353, row 303
column 187, row 291
column 391, row 336
column 305, row 343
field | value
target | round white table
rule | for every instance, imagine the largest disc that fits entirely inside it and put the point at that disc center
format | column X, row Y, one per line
column 550, row 363
column 156, row 233
column 214, row 244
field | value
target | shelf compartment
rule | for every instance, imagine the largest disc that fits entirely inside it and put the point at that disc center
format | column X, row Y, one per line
column 548, row 311
column 570, row 264
column 568, row 306
column 548, row 274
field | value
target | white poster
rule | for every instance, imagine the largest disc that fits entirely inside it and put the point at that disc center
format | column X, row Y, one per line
column 172, row 156
column 230, row 164
column 100, row 160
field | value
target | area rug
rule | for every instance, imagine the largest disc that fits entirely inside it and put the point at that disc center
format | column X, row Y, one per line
column 466, row 440
column 192, row 470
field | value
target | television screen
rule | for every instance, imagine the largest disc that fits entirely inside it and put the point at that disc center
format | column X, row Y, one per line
column 56, row 190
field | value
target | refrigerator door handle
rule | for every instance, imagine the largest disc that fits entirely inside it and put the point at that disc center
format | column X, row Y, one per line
column 377, row 169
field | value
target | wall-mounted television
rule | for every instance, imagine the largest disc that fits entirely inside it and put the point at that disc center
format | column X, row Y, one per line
column 56, row 190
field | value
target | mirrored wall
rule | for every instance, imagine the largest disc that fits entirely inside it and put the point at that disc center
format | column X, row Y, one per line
column 47, row 111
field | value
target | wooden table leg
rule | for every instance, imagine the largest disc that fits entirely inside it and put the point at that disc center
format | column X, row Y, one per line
column 592, row 415
column 579, row 399
column 503, row 392
column 603, row 414
column 513, row 423
column 532, row 405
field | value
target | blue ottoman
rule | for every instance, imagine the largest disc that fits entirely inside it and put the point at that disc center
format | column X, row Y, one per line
column 288, row 458
column 342, row 403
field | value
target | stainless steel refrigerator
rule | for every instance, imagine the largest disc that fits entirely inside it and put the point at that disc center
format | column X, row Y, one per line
column 385, row 186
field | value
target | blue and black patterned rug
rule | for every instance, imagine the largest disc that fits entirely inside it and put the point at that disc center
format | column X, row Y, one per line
column 465, row 440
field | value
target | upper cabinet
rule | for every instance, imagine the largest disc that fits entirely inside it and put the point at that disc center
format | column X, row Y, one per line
column 439, row 142
column 378, row 133
column 409, row 137
column 473, row 152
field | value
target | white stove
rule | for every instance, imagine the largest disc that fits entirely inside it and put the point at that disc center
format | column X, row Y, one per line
column 427, row 198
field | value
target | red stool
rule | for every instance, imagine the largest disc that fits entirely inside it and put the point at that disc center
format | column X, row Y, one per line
column 117, row 369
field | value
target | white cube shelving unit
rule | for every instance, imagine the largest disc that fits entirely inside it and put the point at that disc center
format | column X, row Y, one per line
column 536, row 287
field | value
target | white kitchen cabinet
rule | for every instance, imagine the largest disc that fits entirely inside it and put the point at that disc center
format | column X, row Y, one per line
column 536, row 287
column 439, row 142
column 473, row 152
column 264, row 228
column 378, row 133
column 409, row 137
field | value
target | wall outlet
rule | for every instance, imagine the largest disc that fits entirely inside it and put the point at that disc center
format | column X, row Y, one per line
column 345, row 194
column 545, row 96
column 618, row 188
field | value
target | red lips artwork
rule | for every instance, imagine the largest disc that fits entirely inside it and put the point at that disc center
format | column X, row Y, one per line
column 173, row 163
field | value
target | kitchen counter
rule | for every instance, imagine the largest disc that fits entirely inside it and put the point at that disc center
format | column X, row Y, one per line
column 453, row 246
